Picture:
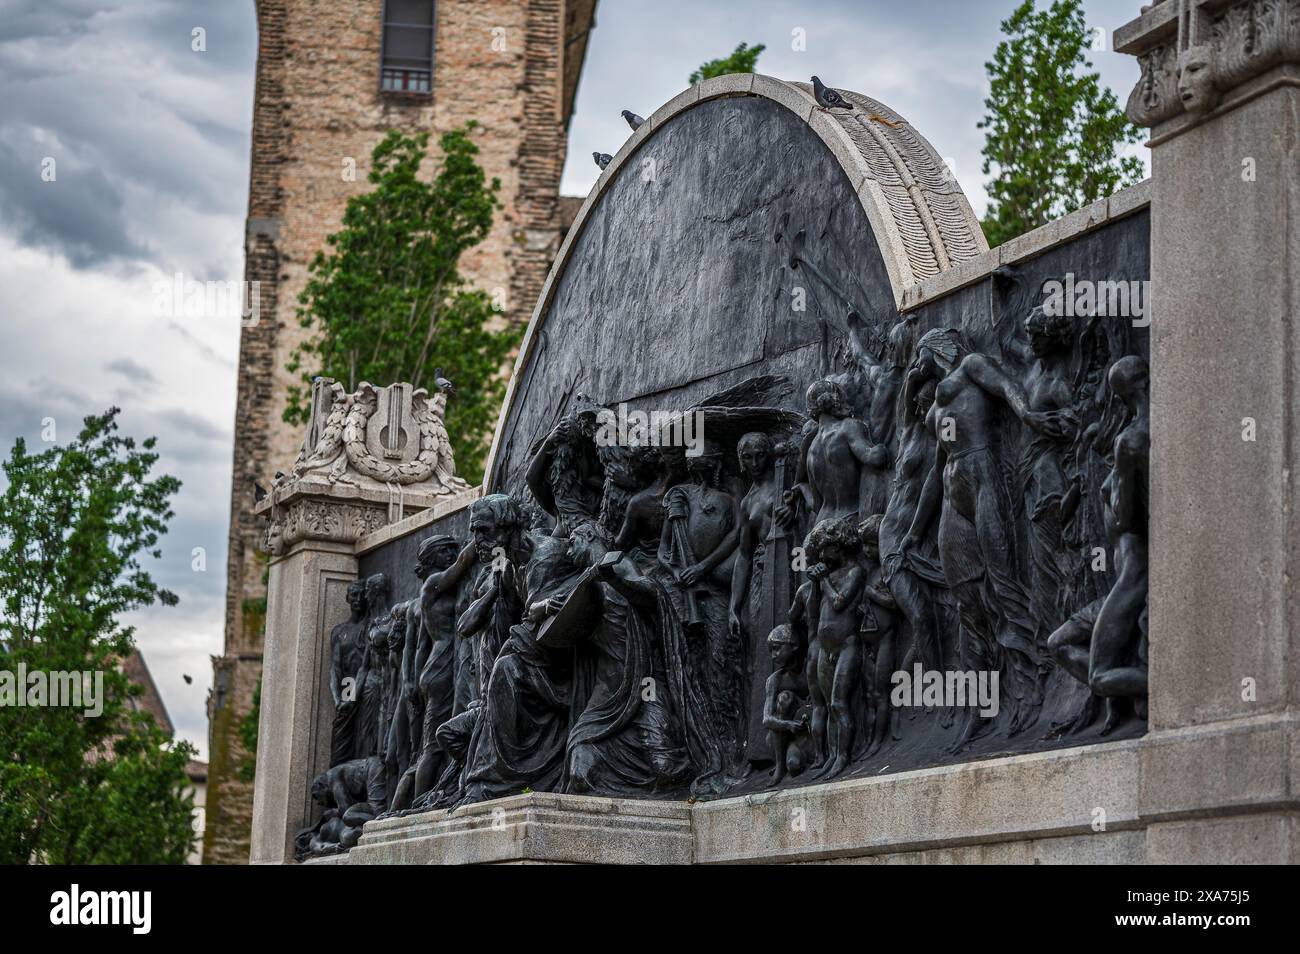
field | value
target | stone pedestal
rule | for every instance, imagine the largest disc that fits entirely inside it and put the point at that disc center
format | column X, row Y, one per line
column 533, row 829
column 306, row 588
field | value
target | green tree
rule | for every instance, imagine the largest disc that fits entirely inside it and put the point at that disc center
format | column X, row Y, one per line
column 742, row 60
column 386, row 299
column 1052, row 131
column 75, row 522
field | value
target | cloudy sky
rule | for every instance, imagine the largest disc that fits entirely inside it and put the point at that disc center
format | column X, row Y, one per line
column 149, row 140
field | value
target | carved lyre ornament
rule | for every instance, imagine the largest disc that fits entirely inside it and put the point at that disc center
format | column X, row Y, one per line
column 392, row 435
column 390, row 441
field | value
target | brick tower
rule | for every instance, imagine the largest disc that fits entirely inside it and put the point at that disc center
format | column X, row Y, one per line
column 333, row 76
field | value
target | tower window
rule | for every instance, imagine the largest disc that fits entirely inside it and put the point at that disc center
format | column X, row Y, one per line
column 408, row 47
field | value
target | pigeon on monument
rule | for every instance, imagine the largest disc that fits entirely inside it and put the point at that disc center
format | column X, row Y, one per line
column 633, row 119
column 189, row 680
column 828, row 98
column 258, row 492
column 602, row 159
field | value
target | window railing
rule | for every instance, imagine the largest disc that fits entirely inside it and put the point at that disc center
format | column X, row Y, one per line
column 398, row 79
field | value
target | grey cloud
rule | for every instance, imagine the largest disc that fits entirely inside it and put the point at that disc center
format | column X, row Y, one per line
column 130, row 155
column 135, row 372
column 38, row 19
column 198, row 345
column 195, row 431
column 79, row 214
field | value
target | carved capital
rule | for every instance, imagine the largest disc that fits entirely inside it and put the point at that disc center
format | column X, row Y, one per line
column 1194, row 52
column 305, row 515
column 315, row 508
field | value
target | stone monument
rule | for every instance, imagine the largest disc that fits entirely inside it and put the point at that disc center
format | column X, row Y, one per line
column 814, row 529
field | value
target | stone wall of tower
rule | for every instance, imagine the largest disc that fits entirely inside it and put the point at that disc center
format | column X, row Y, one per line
column 317, row 109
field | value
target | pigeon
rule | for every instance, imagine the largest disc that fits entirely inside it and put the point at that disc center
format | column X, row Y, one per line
column 442, row 383
column 189, row 680
column 258, row 492
column 602, row 159
column 632, row 118
column 828, row 98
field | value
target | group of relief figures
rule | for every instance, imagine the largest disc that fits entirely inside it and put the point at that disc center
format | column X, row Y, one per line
column 660, row 621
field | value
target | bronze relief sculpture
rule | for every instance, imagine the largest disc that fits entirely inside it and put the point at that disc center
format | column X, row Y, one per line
column 793, row 600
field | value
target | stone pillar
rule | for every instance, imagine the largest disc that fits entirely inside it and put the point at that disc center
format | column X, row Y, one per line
column 368, row 459
column 1220, row 91
column 313, row 532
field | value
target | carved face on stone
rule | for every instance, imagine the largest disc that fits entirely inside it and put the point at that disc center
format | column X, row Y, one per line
column 274, row 538
column 495, row 522
column 834, row 541
column 1128, row 378
column 782, row 646
column 376, row 591
column 444, row 555
column 586, row 417
column 755, row 454
column 1047, row 333
column 938, row 352
column 356, row 596
column 435, row 555
column 869, row 536
column 490, row 537
column 1196, row 74
column 588, row 544
column 926, row 366
column 900, row 340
